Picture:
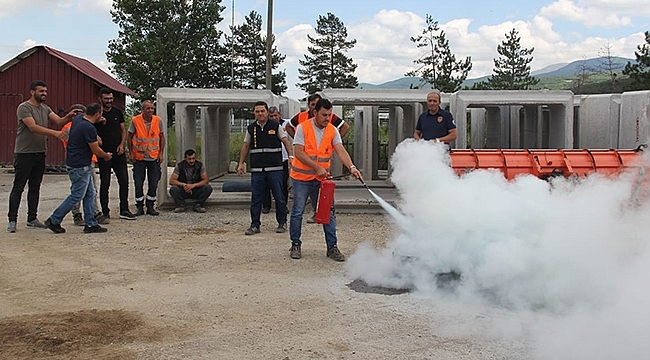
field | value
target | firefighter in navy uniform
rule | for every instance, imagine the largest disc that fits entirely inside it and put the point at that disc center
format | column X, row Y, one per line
column 264, row 140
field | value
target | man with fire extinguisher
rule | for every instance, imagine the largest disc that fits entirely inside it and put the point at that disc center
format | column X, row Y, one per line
column 314, row 142
column 264, row 139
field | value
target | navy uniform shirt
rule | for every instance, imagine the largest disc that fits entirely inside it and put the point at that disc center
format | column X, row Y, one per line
column 433, row 126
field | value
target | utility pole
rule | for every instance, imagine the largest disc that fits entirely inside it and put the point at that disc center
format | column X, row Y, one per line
column 269, row 44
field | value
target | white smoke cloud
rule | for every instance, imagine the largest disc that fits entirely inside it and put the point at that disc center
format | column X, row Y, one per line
column 566, row 258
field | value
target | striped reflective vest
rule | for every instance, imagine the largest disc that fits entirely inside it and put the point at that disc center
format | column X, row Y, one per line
column 146, row 142
column 320, row 154
column 265, row 147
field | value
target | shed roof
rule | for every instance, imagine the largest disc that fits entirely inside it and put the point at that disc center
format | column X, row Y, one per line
column 82, row 65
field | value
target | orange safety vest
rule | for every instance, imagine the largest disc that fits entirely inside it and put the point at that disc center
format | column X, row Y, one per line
column 321, row 155
column 67, row 127
column 146, row 141
column 303, row 116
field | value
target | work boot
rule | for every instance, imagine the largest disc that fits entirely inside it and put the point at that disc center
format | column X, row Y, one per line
column 334, row 254
column 199, row 209
column 252, row 231
column 295, row 252
column 78, row 219
column 103, row 219
column 140, row 208
column 152, row 211
column 180, row 209
column 312, row 219
column 282, row 228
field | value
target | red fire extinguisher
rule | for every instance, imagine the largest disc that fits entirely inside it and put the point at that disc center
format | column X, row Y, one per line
column 325, row 200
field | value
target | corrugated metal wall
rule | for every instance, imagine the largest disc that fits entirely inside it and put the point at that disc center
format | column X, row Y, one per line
column 65, row 86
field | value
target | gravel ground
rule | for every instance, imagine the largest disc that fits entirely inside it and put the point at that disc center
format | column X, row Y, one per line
column 193, row 286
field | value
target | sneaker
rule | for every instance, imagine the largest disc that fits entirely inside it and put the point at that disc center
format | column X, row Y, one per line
column 78, row 219
column 127, row 215
column 282, row 228
column 266, row 210
column 55, row 228
column 103, row 219
column 152, row 211
column 35, row 224
column 312, row 219
column 252, row 230
column 334, row 254
column 295, row 251
column 11, row 227
column 199, row 209
column 94, row 229
column 180, row 209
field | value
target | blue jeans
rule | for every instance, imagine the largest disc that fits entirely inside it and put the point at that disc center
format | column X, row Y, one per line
column 259, row 183
column 81, row 188
column 302, row 190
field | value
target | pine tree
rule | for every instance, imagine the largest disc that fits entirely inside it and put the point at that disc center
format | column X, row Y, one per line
column 167, row 43
column 249, row 48
column 438, row 65
column 326, row 65
column 607, row 64
column 640, row 72
column 512, row 69
column 582, row 77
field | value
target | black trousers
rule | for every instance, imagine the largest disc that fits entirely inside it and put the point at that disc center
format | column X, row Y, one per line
column 118, row 165
column 266, row 197
column 29, row 168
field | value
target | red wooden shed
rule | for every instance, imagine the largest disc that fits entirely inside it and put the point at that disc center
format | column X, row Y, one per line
column 70, row 80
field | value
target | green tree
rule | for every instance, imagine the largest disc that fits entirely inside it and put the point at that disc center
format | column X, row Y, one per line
column 167, row 43
column 512, row 69
column 327, row 66
column 640, row 72
column 438, row 65
column 249, row 48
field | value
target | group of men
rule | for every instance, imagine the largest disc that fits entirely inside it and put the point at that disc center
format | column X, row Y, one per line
column 97, row 134
column 93, row 134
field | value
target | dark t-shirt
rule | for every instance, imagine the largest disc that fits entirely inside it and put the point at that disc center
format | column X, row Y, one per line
column 111, row 132
column 82, row 133
column 436, row 125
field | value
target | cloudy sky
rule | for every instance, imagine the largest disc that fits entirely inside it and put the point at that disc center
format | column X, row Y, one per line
column 560, row 31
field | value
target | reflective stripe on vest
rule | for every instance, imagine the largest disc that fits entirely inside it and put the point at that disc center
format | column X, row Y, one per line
column 146, row 141
column 320, row 155
column 266, row 150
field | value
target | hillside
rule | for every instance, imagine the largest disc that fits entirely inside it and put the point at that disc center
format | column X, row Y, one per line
column 552, row 77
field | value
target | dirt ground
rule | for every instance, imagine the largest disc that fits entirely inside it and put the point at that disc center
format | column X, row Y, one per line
column 193, row 286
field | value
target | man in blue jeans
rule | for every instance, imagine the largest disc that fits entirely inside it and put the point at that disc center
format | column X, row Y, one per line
column 82, row 144
column 314, row 142
column 264, row 139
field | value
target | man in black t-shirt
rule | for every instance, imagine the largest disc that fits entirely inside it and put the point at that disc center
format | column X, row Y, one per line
column 113, row 135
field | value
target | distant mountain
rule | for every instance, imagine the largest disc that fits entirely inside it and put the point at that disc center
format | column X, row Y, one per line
column 555, row 70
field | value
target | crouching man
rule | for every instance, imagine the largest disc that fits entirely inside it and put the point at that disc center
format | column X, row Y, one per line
column 190, row 181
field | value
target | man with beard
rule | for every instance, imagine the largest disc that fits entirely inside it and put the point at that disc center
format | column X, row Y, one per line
column 29, row 152
column 113, row 134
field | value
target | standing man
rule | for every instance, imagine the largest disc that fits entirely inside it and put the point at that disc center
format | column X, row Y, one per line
column 82, row 144
column 274, row 115
column 147, row 145
column 435, row 124
column 190, row 181
column 77, row 217
column 113, row 134
column 29, row 152
column 313, row 144
column 303, row 116
column 265, row 138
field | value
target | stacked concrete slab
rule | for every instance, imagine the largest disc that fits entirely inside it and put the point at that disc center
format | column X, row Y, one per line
column 215, row 105
column 489, row 119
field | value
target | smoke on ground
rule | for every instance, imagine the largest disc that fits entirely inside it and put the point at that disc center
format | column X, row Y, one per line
column 568, row 258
